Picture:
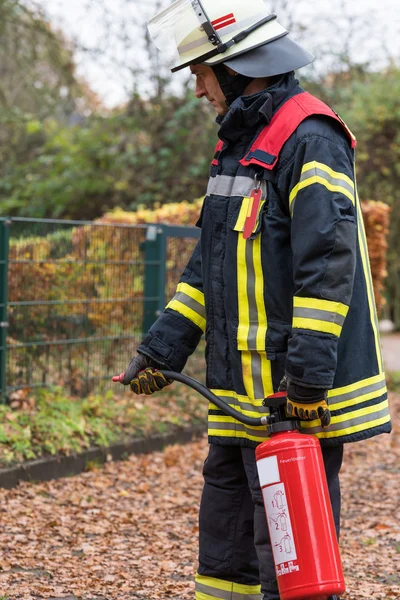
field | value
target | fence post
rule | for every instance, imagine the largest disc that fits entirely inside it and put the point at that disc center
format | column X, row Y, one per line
column 155, row 253
column 4, row 249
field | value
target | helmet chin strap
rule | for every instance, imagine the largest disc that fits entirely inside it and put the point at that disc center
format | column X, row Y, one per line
column 232, row 86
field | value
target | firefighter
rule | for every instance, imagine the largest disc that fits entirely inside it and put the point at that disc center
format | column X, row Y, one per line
column 279, row 281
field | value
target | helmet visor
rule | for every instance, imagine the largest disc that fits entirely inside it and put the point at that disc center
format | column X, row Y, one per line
column 170, row 27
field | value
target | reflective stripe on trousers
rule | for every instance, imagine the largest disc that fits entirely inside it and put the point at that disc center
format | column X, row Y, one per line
column 210, row 588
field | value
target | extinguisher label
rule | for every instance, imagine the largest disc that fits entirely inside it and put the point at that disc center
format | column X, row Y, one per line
column 280, row 528
column 268, row 470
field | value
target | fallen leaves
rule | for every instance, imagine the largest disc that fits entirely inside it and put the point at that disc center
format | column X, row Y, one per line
column 128, row 531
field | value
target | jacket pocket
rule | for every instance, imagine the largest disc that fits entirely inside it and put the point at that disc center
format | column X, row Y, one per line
column 251, row 336
column 255, row 336
column 277, row 338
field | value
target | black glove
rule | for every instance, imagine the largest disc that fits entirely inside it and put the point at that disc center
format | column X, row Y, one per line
column 306, row 403
column 142, row 376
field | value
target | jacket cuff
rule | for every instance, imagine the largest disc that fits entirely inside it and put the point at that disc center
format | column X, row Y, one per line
column 171, row 340
column 311, row 360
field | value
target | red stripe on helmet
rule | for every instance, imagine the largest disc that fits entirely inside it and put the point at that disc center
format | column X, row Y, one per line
column 225, row 24
column 216, row 21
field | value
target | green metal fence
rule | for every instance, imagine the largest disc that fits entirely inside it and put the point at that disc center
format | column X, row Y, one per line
column 76, row 297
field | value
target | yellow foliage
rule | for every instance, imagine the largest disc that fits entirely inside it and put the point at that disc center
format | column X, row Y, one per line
column 176, row 213
column 376, row 220
column 94, row 275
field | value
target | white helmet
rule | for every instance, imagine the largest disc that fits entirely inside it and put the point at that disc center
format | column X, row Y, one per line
column 242, row 34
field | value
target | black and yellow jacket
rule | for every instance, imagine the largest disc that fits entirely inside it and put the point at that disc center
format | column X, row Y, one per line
column 295, row 297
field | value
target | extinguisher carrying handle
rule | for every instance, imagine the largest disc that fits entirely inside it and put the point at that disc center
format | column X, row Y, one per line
column 204, row 391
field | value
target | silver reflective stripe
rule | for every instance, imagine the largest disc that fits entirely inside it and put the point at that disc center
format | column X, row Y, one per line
column 213, row 592
column 323, row 174
column 243, row 405
column 237, row 426
column 226, row 31
column 320, row 315
column 374, row 387
column 219, row 594
column 191, row 303
column 224, row 185
column 315, row 172
column 256, row 372
column 350, row 422
column 252, row 337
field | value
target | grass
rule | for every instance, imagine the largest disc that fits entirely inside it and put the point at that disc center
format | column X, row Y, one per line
column 50, row 422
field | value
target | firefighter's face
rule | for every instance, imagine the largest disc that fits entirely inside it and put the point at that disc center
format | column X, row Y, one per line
column 207, row 86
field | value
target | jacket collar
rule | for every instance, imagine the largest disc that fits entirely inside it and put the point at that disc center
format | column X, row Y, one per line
column 248, row 113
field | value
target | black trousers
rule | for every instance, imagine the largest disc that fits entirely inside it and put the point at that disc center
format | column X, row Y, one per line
column 234, row 538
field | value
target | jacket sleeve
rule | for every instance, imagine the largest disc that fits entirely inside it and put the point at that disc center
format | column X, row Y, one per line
column 177, row 332
column 321, row 192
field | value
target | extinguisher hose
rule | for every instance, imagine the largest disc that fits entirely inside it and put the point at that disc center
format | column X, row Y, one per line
column 204, row 391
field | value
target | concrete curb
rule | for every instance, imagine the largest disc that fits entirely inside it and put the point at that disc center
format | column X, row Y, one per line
column 56, row 467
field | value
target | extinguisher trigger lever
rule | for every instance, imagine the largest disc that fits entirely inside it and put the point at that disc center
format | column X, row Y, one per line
column 275, row 400
column 278, row 421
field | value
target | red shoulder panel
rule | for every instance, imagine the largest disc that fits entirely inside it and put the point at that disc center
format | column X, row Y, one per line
column 268, row 145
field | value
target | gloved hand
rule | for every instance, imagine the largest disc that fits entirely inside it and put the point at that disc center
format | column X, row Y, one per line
column 306, row 403
column 142, row 376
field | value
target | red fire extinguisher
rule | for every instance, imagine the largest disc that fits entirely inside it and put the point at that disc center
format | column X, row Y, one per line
column 298, row 510
column 296, row 501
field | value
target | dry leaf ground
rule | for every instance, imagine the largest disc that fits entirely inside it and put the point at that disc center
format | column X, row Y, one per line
column 128, row 531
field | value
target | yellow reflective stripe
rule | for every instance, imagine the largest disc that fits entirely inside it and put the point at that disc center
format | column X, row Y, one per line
column 359, row 399
column 362, row 240
column 188, row 313
column 246, row 590
column 360, row 412
column 228, row 419
column 192, row 292
column 236, row 434
column 316, row 325
column 245, row 211
column 358, row 385
column 243, row 214
column 202, row 596
column 354, row 428
column 227, row 586
column 243, row 304
column 266, row 375
column 220, row 584
column 349, row 416
column 244, row 404
column 334, row 174
column 316, row 179
column 247, row 374
column 239, row 397
column 244, row 411
column 327, row 305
